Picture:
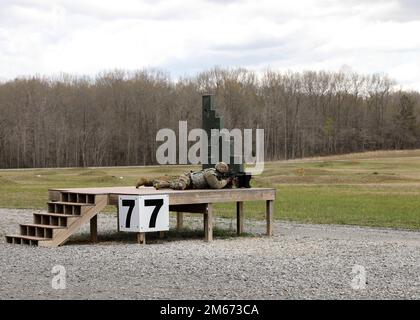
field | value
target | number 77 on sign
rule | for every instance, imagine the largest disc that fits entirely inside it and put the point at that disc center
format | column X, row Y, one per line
column 147, row 213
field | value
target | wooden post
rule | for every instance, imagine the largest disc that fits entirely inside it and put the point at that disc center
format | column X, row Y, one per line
column 208, row 223
column 94, row 229
column 179, row 221
column 161, row 234
column 141, row 238
column 239, row 217
column 118, row 219
column 269, row 216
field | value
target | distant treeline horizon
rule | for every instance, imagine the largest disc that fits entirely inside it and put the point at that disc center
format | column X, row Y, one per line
column 112, row 119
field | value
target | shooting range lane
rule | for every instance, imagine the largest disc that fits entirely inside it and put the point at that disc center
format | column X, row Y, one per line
column 191, row 201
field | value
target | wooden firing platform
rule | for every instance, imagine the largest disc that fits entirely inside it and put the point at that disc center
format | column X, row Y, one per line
column 180, row 201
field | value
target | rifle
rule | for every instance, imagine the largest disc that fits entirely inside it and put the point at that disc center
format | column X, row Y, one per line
column 239, row 179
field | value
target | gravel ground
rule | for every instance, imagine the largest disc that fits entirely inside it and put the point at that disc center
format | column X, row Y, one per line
column 301, row 261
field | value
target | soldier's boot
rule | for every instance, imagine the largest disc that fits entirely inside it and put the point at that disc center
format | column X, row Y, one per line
column 181, row 183
column 178, row 185
column 144, row 182
column 161, row 184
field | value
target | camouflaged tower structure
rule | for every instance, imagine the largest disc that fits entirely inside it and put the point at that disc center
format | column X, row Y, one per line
column 211, row 120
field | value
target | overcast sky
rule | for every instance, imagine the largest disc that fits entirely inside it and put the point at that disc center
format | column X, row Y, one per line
column 186, row 36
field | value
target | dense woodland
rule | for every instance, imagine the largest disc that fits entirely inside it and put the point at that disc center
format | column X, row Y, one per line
column 113, row 119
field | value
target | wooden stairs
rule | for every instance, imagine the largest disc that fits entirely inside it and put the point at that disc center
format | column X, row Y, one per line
column 66, row 213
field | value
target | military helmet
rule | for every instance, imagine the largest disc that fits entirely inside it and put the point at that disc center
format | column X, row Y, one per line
column 222, row 167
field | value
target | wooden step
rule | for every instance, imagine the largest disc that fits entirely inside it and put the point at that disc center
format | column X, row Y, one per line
column 51, row 214
column 20, row 239
column 72, row 208
column 41, row 226
column 25, row 237
column 55, row 219
column 39, row 230
column 77, row 197
column 71, row 203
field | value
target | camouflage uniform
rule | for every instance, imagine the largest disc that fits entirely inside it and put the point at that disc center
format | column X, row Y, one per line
column 213, row 178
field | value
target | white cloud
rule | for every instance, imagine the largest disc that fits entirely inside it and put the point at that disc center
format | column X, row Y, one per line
column 186, row 36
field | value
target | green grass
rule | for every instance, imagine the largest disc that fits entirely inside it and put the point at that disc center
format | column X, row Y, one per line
column 370, row 189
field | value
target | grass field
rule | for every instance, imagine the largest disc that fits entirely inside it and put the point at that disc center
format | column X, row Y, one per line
column 370, row 189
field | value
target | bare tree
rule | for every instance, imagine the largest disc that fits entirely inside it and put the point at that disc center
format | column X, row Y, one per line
column 112, row 119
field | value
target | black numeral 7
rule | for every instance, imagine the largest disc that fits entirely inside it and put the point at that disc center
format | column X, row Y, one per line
column 130, row 204
column 157, row 203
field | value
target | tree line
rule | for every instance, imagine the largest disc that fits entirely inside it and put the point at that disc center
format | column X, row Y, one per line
column 112, row 119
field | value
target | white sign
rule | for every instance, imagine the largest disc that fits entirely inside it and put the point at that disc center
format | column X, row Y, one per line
column 143, row 213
